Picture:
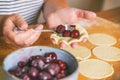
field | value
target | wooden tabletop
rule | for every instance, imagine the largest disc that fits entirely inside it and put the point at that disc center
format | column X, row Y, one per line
column 112, row 15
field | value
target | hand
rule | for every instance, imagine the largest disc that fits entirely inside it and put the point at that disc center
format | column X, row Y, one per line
column 68, row 16
column 21, row 39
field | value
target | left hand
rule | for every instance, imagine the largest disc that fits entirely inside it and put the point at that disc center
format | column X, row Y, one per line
column 67, row 16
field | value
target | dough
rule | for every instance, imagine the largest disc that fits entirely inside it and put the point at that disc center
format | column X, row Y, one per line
column 101, row 39
column 81, row 53
column 108, row 53
column 95, row 69
column 67, row 40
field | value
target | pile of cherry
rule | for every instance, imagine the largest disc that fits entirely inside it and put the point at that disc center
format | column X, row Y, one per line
column 71, row 32
column 46, row 67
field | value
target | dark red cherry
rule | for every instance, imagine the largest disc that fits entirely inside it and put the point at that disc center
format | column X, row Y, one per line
column 60, row 28
column 63, row 65
column 75, row 34
column 12, row 72
column 39, row 57
column 44, row 76
column 25, row 69
column 33, row 72
column 50, row 57
column 31, row 59
column 66, row 33
column 41, row 64
column 34, row 63
column 25, row 77
column 59, row 76
column 22, row 64
column 53, row 69
column 38, row 63
column 18, row 71
column 72, row 27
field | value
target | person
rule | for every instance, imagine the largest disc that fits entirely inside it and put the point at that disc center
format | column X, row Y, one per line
column 21, row 13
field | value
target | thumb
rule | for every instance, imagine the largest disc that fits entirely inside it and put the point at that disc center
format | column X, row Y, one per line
column 39, row 26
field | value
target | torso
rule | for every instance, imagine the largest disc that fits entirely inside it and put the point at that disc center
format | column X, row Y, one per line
column 29, row 9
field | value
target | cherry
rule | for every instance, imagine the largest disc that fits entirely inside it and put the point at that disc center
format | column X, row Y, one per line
column 50, row 57
column 41, row 64
column 33, row 72
column 75, row 34
column 44, row 76
column 38, row 63
column 59, row 75
column 39, row 67
column 12, row 71
column 63, row 65
column 60, row 28
column 34, row 63
column 66, row 33
column 72, row 27
column 26, row 77
column 22, row 64
column 17, row 72
column 53, row 69
column 25, row 69
column 31, row 59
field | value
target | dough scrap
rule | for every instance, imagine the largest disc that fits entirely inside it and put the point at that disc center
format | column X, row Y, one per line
column 95, row 69
column 102, row 39
column 108, row 53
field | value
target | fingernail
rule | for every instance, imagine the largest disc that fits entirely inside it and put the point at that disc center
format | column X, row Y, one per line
column 84, row 39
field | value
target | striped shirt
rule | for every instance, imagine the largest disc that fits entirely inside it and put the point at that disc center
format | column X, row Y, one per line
column 29, row 9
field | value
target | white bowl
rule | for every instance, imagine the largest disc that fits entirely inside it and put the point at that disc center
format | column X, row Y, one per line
column 24, row 53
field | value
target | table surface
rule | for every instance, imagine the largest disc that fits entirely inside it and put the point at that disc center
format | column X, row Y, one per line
column 112, row 15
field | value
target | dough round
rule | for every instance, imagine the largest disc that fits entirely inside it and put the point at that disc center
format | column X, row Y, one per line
column 81, row 53
column 108, row 53
column 95, row 69
column 102, row 39
column 67, row 40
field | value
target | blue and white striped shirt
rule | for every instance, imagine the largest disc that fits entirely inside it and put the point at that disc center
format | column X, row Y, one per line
column 29, row 9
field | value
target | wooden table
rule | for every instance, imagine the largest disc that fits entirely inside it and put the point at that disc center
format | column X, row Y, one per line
column 112, row 15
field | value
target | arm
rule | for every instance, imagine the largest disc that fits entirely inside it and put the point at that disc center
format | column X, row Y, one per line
column 58, row 12
column 51, row 6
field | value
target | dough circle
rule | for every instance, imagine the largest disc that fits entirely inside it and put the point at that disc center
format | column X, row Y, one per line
column 95, row 69
column 80, row 53
column 108, row 53
column 102, row 39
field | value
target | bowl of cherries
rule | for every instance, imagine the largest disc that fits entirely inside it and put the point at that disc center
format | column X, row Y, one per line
column 40, row 63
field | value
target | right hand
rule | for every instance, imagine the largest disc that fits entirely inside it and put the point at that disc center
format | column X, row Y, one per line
column 21, row 39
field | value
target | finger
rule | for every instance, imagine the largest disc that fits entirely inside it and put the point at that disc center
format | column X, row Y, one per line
column 34, row 36
column 62, row 45
column 89, row 15
column 38, row 26
column 84, row 39
column 74, row 45
column 53, row 41
column 85, row 14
